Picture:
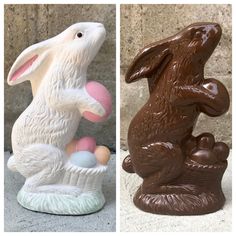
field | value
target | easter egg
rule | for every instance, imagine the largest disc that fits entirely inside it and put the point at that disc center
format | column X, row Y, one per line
column 70, row 147
column 83, row 159
column 102, row 95
column 102, row 154
column 86, row 144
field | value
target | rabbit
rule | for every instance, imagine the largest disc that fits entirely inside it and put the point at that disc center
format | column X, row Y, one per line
column 159, row 134
column 56, row 69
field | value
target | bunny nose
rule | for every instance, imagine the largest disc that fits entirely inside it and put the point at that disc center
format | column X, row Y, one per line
column 101, row 29
column 216, row 27
column 100, row 25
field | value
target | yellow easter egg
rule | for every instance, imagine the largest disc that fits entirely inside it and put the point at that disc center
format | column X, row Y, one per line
column 70, row 147
column 102, row 154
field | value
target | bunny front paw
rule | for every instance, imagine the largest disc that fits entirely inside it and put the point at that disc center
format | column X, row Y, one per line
column 95, row 113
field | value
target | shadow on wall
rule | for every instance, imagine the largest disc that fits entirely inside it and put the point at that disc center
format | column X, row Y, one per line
column 28, row 24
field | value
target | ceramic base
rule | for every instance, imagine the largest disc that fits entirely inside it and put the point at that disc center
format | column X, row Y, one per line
column 62, row 204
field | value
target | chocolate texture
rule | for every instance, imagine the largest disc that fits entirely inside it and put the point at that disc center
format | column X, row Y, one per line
column 181, row 173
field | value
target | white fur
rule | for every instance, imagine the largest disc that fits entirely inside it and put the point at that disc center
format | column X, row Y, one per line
column 49, row 123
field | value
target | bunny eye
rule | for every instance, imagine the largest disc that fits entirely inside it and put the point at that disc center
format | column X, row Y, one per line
column 198, row 33
column 79, row 35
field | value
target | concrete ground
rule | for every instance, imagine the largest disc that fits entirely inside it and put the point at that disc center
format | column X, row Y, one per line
column 132, row 219
column 18, row 219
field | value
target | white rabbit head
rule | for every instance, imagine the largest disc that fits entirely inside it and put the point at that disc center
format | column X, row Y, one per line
column 77, row 45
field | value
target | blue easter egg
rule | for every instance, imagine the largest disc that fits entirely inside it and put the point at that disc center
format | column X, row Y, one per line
column 83, row 159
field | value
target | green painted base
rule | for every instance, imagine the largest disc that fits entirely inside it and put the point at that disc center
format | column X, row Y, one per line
column 62, row 204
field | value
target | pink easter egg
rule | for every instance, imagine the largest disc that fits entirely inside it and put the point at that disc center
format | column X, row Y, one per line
column 86, row 144
column 102, row 95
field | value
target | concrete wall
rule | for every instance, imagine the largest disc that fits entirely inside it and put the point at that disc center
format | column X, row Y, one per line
column 29, row 24
column 143, row 24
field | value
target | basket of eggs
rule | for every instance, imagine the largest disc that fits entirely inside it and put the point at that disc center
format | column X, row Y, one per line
column 86, row 165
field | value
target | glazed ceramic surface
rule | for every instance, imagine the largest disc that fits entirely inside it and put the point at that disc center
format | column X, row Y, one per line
column 181, row 173
column 57, row 182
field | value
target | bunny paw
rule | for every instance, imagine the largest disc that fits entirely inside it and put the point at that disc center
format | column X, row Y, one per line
column 101, row 107
column 207, row 151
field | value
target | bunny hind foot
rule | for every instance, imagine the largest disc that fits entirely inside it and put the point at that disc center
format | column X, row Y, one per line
column 162, row 163
column 170, row 189
column 40, row 164
column 158, row 183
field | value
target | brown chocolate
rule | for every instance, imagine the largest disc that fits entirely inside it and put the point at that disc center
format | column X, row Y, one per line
column 181, row 173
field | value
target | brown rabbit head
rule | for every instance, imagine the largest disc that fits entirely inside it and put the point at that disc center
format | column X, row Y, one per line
column 194, row 44
column 197, row 41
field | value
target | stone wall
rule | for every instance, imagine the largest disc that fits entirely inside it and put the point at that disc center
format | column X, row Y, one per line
column 143, row 24
column 29, row 24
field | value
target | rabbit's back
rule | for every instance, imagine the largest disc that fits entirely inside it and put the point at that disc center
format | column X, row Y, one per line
column 40, row 123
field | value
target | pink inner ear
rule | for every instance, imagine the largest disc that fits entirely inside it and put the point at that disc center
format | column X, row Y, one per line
column 23, row 68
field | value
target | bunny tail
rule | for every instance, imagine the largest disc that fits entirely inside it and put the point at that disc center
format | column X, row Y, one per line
column 11, row 164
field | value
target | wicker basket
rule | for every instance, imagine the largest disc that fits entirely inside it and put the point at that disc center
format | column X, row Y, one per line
column 87, row 179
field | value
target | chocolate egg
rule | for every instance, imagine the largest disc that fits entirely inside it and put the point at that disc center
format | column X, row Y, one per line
column 83, row 159
column 102, row 154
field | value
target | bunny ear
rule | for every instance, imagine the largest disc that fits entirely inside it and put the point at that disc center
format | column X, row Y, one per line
column 27, row 62
column 152, row 59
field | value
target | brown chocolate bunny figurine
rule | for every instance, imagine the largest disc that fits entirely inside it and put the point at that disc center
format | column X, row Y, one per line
column 181, row 173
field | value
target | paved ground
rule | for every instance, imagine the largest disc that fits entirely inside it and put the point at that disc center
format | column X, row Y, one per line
column 132, row 219
column 18, row 219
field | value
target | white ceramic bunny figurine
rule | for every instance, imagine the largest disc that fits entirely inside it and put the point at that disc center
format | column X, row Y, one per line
column 57, row 70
